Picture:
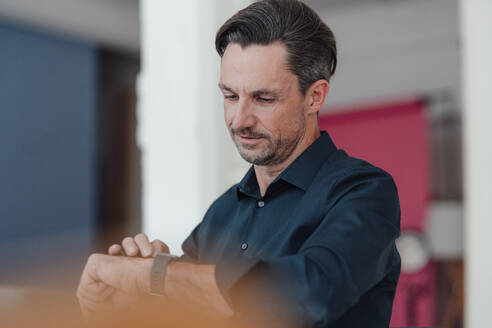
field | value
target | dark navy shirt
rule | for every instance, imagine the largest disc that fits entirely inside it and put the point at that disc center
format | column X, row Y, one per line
column 317, row 250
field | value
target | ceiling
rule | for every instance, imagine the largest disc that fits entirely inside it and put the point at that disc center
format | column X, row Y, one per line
column 110, row 23
column 333, row 4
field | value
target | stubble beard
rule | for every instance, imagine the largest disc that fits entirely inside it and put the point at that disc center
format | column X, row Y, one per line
column 277, row 150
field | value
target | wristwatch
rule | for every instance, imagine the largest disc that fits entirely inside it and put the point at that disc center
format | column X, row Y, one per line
column 158, row 273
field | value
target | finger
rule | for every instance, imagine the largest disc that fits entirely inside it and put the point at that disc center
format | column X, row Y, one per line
column 94, row 307
column 120, row 300
column 129, row 246
column 115, row 250
column 159, row 247
column 86, row 311
column 96, row 294
column 145, row 247
column 93, row 310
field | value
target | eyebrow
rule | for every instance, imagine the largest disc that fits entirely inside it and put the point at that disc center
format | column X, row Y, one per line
column 265, row 92
column 256, row 93
column 223, row 87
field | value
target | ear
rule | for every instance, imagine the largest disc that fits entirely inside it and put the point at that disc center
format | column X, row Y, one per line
column 316, row 95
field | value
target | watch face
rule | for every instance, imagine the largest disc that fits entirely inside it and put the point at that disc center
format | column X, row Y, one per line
column 413, row 250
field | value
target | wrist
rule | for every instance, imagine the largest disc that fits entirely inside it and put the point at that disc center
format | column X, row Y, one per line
column 158, row 273
column 145, row 267
column 195, row 284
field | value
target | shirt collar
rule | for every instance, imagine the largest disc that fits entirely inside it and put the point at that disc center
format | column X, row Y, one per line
column 300, row 172
column 249, row 184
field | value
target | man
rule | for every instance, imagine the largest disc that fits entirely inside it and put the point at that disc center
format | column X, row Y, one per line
column 308, row 235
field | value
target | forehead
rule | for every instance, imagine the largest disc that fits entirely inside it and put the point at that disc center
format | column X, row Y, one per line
column 256, row 67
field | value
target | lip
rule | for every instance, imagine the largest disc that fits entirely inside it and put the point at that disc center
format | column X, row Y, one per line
column 248, row 140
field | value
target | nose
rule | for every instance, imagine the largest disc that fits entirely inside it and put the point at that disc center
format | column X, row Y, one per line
column 243, row 115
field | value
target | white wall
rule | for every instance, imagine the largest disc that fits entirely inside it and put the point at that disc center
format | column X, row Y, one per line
column 477, row 70
column 187, row 156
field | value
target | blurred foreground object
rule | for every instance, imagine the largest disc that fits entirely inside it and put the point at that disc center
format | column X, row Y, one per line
column 46, row 308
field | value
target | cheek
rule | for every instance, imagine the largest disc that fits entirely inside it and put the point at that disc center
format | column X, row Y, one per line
column 281, row 117
column 288, row 121
column 267, row 121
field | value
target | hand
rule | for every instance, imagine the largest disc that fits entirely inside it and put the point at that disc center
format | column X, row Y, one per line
column 110, row 283
column 140, row 244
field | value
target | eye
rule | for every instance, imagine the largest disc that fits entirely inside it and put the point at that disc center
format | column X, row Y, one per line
column 231, row 97
column 265, row 100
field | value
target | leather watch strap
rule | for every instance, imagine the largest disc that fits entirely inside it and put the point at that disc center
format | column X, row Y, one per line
column 158, row 272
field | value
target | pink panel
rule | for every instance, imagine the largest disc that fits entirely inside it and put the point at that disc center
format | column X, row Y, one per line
column 395, row 138
column 414, row 304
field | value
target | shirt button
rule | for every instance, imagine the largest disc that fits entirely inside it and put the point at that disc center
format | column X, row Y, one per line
column 261, row 203
column 244, row 246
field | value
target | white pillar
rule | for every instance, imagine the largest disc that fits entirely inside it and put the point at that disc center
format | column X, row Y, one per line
column 187, row 156
column 476, row 25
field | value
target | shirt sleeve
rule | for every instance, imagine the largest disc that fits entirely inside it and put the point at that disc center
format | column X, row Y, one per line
column 190, row 246
column 351, row 250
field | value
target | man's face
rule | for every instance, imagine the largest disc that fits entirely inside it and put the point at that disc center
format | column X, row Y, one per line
column 263, row 107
